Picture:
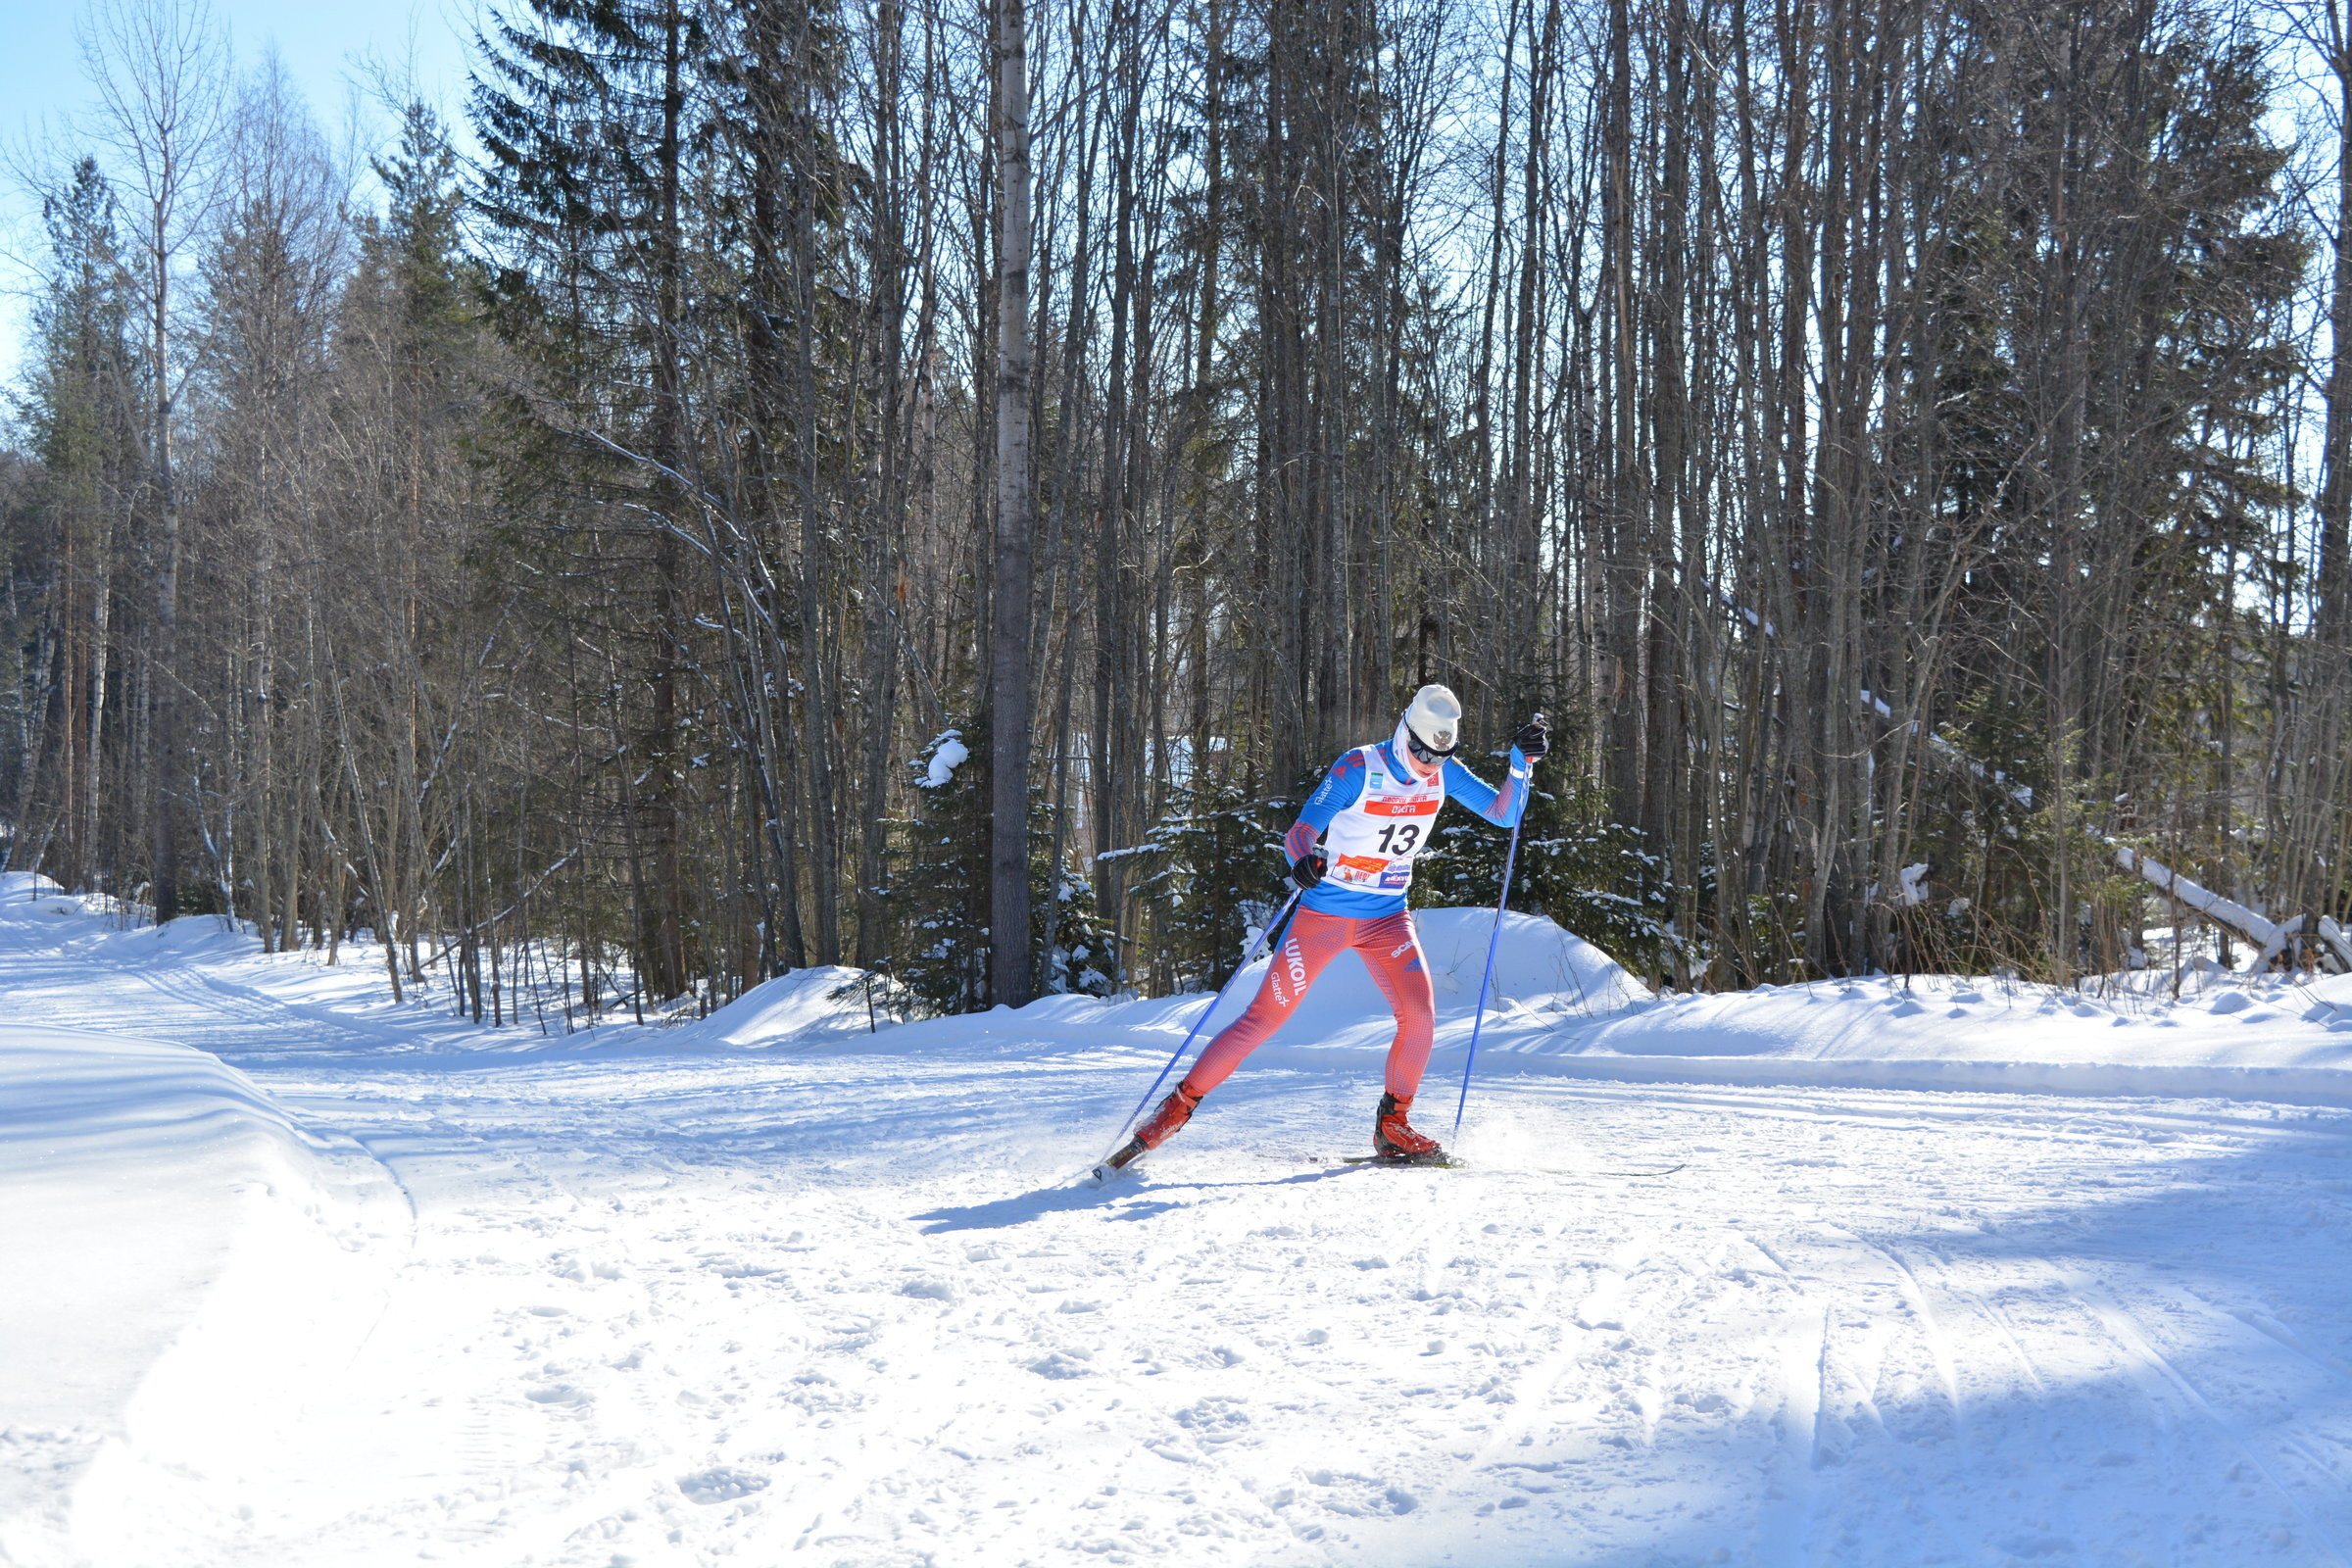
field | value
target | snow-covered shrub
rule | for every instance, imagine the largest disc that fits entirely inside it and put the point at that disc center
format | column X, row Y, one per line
column 937, row 889
column 1080, row 950
column 936, row 871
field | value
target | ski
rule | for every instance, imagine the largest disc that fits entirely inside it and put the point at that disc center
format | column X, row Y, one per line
column 1452, row 1163
column 1120, row 1163
column 1106, row 1168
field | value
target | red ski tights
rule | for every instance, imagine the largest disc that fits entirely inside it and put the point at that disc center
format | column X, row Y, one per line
column 1388, row 948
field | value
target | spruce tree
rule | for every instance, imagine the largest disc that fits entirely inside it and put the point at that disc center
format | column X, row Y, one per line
column 597, row 118
column 1210, row 872
column 938, row 892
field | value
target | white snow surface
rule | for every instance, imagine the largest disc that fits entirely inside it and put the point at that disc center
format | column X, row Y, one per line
column 1949, row 1272
column 793, row 1009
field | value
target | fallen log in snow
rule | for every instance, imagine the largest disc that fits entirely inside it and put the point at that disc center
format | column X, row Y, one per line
column 2326, row 939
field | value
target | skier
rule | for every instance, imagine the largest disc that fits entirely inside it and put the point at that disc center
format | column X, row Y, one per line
column 1372, row 814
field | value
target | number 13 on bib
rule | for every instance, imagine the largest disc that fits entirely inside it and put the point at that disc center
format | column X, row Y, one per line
column 1373, row 843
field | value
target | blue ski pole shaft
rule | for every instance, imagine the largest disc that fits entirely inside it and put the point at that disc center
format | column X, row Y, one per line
column 1272, row 935
column 1479, row 1021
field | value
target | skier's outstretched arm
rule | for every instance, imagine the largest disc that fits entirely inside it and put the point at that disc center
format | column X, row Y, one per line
column 1501, row 807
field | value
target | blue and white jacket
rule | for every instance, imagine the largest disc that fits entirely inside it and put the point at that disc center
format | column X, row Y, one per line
column 1372, row 816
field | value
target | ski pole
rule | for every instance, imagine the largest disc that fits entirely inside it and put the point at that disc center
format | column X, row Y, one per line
column 1494, row 941
column 1273, row 934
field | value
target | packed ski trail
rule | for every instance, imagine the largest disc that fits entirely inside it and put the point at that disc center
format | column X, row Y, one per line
column 617, row 1301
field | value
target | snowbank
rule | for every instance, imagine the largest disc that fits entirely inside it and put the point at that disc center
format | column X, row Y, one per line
column 2258, row 1038
column 795, row 1007
column 1540, row 972
column 1537, row 966
column 1559, row 1006
column 1932, row 1017
column 1562, row 1007
column 175, row 1252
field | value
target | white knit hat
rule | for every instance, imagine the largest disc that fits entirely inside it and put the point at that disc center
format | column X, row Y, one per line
column 1434, row 717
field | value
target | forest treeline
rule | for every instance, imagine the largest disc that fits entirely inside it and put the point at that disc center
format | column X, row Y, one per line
column 796, row 483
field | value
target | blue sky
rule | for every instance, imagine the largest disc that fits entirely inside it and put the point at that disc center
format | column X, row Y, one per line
column 325, row 45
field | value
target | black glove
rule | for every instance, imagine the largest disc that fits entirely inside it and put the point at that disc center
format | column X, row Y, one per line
column 1308, row 870
column 1533, row 739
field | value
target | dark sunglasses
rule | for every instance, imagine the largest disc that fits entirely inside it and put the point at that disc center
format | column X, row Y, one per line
column 1425, row 754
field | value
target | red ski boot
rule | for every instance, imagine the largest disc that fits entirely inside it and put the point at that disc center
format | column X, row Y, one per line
column 1393, row 1141
column 1173, row 1112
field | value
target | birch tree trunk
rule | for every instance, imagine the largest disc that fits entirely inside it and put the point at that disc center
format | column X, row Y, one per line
column 1010, row 972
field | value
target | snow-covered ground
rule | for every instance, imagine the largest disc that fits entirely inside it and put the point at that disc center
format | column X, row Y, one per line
column 291, row 1276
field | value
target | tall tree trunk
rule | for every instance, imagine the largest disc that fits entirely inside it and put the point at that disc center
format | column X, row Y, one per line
column 664, row 950
column 2332, row 618
column 163, row 647
column 1010, row 972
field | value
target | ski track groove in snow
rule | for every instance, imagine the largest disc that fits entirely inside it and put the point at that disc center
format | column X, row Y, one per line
column 836, row 1305
column 2151, row 1362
